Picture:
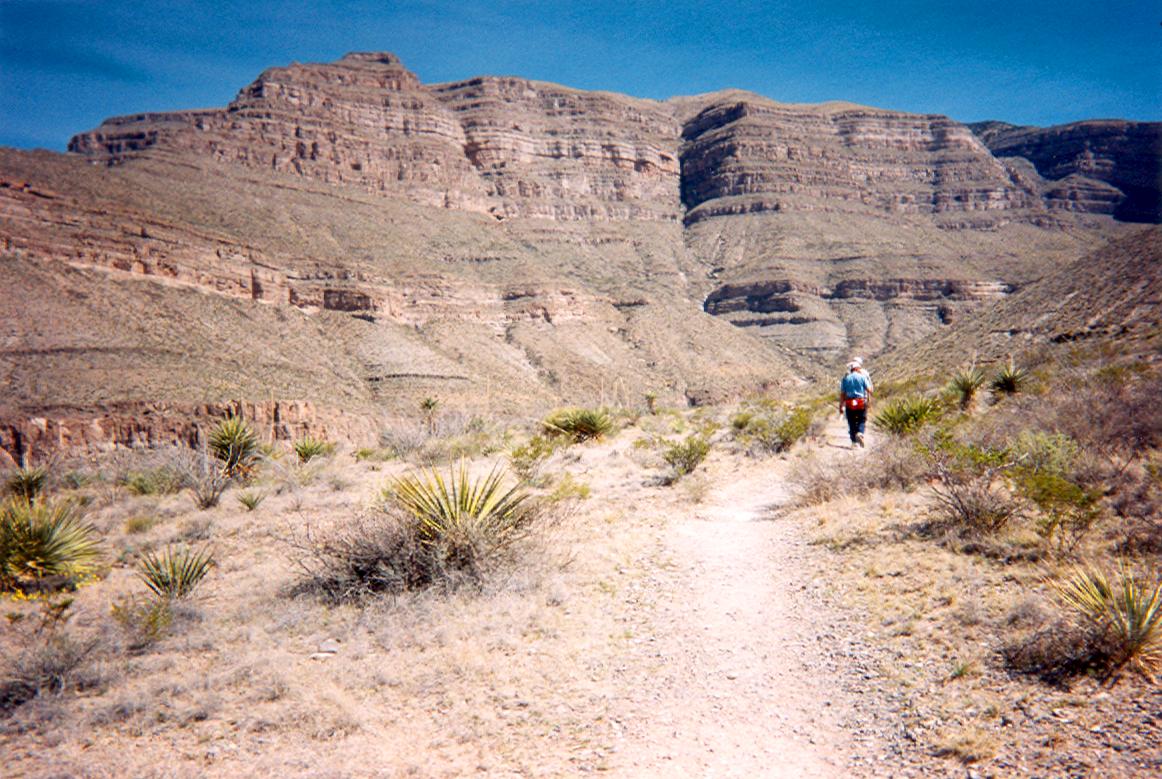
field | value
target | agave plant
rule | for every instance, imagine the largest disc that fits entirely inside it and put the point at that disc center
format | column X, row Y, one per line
column 27, row 483
column 1124, row 610
column 468, row 515
column 44, row 540
column 234, row 444
column 176, row 572
column 1010, row 379
column 579, row 424
column 966, row 383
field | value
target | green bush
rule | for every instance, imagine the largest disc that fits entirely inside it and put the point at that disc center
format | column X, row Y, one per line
column 44, row 544
column 907, row 415
column 579, row 424
column 1068, row 511
column 175, row 573
column 26, row 483
column 234, row 444
column 766, row 427
column 970, row 485
column 156, row 481
column 683, row 457
column 528, row 458
column 308, row 448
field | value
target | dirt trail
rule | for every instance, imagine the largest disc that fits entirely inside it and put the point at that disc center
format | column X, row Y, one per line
column 732, row 677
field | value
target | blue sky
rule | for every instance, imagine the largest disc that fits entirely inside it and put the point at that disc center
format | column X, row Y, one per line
column 67, row 64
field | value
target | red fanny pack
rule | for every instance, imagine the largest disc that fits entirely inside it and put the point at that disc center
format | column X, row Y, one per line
column 855, row 404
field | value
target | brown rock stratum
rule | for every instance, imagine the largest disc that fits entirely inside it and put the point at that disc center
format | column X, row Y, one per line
column 345, row 235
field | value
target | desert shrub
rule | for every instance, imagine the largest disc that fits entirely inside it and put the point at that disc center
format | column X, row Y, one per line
column 45, row 544
column 308, row 448
column 529, row 458
column 430, row 530
column 815, row 483
column 1045, row 452
column 1123, row 610
column 49, row 662
column 140, row 523
column 251, row 500
column 897, row 464
column 1009, row 379
column 205, row 479
column 579, row 424
column 965, row 384
column 373, row 454
column 1068, row 511
column 651, row 403
column 1057, row 652
column 26, row 483
column 765, row 427
column 684, row 456
column 175, row 573
column 163, row 480
column 906, row 415
column 403, row 438
column 144, row 620
column 569, row 488
column 969, row 485
column 234, row 444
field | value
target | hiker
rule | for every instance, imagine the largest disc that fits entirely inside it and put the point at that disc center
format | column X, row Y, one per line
column 863, row 372
column 855, row 390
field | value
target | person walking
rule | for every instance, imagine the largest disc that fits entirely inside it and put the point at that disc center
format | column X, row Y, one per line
column 855, row 390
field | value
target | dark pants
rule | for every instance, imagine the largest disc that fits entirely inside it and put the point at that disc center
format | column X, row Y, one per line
column 856, row 420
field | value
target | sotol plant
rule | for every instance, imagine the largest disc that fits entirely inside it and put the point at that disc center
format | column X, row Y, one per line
column 965, row 384
column 579, row 424
column 175, row 573
column 27, row 483
column 308, row 448
column 1010, row 379
column 905, row 415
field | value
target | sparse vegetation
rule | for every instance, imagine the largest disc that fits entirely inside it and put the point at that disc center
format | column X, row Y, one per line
column 234, row 444
column 579, row 424
column 163, row 480
column 969, row 486
column 45, row 545
column 768, row 428
column 206, row 481
column 529, row 458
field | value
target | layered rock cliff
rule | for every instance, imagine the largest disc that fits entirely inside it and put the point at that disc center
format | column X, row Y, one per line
column 345, row 235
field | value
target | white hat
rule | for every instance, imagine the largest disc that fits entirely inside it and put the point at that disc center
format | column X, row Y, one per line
column 856, row 362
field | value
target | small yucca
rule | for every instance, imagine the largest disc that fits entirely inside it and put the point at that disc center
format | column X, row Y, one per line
column 966, row 383
column 309, row 447
column 580, row 424
column 43, row 540
column 176, row 572
column 234, row 444
column 27, row 482
column 1123, row 609
column 1010, row 379
column 251, row 499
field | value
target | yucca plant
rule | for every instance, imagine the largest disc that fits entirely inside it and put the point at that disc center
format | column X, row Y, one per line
column 309, row 447
column 27, row 482
column 428, row 406
column 234, row 444
column 1010, row 379
column 579, row 424
column 176, row 572
column 966, row 383
column 466, row 520
column 1124, row 610
column 44, row 540
column 251, row 499
column 905, row 415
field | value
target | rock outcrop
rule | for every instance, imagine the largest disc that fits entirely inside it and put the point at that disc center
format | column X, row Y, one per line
column 1077, row 158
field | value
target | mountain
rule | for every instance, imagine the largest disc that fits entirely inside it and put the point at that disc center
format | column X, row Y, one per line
column 342, row 240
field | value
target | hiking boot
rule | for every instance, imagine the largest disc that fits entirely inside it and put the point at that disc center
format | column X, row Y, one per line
column 859, row 439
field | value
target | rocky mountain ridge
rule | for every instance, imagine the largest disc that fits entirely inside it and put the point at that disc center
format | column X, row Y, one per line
column 501, row 243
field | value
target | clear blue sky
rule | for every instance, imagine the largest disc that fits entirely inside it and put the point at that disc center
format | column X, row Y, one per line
column 67, row 64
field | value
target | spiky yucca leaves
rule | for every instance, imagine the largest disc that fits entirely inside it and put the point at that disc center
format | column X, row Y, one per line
column 579, row 424
column 27, row 483
column 1124, row 610
column 1010, row 379
column 251, row 499
column 175, row 573
column 465, row 521
column 905, row 415
column 234, row 444
column 44, row 541
column 309, row 447
column 965, row 384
